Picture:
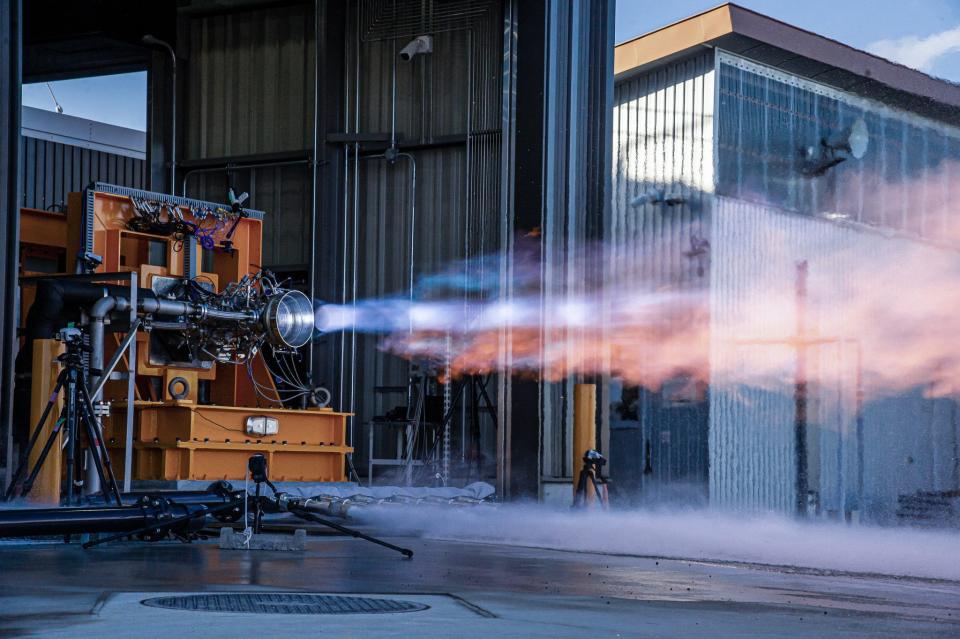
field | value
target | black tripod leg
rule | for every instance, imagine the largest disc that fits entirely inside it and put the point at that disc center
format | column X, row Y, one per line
column 257, row 512
column 596, row 489
column 303, row 514
column 28, row 484
column 100, row 453
column 25, row 458
column 70, row 420
column 94, row 439
column 578, row 491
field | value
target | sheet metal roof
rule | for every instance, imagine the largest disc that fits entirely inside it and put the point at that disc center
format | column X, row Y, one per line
column 760, row 38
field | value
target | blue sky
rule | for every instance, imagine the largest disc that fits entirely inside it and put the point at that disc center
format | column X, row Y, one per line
column 115, row 99
column 923, row 34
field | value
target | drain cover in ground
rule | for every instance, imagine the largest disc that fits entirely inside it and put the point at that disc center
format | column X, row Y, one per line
column 276, row 603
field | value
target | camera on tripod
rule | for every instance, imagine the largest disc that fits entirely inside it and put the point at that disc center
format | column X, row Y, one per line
column 591, row 477
column 593, row 460
column 80, row 416
column 70, row 336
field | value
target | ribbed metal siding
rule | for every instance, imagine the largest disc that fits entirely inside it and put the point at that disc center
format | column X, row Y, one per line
column 909, row 441
column 752, row 453
column 663, row 140
column 905, row 182
column 250, row 90
column 250, row 82
column 772, row 219
column 52, row 170
column 448, row 102
column 283, row 193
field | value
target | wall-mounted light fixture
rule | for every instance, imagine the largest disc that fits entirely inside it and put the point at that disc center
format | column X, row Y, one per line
column 420, row 44
column 852, row 142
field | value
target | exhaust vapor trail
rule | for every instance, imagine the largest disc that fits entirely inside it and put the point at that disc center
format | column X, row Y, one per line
column 726, row 314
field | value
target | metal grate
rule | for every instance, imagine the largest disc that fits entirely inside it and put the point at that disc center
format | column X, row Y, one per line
column 388, row 19
column 275, row 603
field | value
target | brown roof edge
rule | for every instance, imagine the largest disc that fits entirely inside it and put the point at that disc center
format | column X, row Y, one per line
column 728, row 19
column 670, row 40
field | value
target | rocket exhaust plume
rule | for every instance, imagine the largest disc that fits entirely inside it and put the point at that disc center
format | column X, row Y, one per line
column 458, row 315
column 730, row 313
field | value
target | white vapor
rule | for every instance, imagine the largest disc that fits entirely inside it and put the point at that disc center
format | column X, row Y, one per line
column 689, row 534
column 916, row 52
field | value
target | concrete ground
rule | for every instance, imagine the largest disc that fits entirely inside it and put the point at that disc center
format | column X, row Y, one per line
column 472, row 590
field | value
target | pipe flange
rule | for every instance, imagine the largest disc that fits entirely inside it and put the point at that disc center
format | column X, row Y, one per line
column 184, row 388
column 320, row 397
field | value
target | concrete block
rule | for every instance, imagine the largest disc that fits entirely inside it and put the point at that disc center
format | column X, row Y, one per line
column 230, row 540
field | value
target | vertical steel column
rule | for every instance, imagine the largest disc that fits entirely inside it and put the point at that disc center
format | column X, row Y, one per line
column 131, row 387
column 160, row 115
column 557, row 110
column 314, row 163
column 519, row 399
column 10, row 81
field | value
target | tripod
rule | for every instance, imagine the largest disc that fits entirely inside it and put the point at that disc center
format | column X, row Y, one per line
column 591, row 474
column 78, row 410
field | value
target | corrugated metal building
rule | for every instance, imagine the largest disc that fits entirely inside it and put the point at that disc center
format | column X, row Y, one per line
column 64, row 154
column 717, row 112
column 296, row 102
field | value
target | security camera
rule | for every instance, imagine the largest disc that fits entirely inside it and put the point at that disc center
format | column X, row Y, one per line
column 420, row 44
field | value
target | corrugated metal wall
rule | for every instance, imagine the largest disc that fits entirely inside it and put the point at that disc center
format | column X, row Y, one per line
column 662, row 143
column 249, row 82
column 51, row 170
column 250, row 91
column 905, row 182
column 448, row 121
column 768, row 217
column 776, row 216
column 909, row 440
column 283, row 193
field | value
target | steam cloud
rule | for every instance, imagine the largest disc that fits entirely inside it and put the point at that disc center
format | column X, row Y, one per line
column 690, row 534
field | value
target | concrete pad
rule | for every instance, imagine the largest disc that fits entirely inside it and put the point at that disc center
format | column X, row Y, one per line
column 472, row 590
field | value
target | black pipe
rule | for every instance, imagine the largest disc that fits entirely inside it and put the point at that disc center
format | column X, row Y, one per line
column 59, row 301
column 32, row 522
column 217, row 493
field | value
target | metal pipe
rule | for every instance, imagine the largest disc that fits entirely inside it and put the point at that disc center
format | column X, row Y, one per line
column 95, row 519
column 393, row 90
column 236, row 167
column 413, row 217
column 98, row 312
column 163, row 307
column 355, row 255
column 11, row 63
column 65, row 521
column 311, row 280
column 169, row 326
column 131, row 382
column 227, row 316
